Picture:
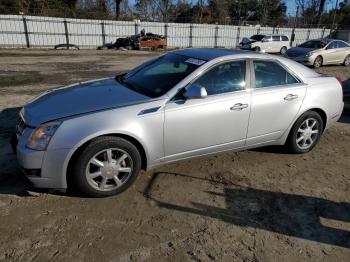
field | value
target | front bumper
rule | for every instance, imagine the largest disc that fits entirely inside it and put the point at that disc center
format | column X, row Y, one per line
column 44, row 169
column 306, row 60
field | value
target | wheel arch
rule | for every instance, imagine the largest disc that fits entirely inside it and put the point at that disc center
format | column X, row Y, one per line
column 318, row 110
column 319, row 55
column 81, row 147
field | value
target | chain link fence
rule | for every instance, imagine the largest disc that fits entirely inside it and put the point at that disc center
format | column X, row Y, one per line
column 45, row 32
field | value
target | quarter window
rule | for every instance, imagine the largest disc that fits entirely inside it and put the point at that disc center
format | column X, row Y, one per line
column 224, row 78
column 270, row 73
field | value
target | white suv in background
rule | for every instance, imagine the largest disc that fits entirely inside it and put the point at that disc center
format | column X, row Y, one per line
column 266, row 43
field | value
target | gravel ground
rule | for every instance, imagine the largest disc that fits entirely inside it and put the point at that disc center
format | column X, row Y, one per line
column 258, row 205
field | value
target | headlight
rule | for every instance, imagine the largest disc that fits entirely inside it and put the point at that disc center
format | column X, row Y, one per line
column 42, row 135
column 309, row 54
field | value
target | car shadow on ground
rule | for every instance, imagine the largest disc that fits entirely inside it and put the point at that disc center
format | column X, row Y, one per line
column 292, row 215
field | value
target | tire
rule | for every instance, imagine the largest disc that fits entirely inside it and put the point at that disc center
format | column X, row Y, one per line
column 106, row 167
column 347, row 61
column 257, row 49
column 318, row 62
column 312, row 125
column 283, row 50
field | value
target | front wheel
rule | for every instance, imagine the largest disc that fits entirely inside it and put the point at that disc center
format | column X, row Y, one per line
column 257, row 49
column 107, row 166
column 318, row 62
column 305, row 133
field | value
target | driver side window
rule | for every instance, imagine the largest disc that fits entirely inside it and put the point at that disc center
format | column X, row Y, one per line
column 224, row 78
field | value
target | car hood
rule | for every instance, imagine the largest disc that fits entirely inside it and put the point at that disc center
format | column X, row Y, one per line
column 298, row 51
column 79, row 99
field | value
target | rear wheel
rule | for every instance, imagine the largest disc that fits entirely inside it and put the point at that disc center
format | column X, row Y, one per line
column 107, row 166
column 347, row 60
column 318, row 62
column 283, row 50
column 305, row 133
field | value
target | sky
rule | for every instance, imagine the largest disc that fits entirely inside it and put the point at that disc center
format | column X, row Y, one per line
column 291, row 6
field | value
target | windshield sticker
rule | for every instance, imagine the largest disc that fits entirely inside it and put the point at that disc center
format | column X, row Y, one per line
column 194, row 61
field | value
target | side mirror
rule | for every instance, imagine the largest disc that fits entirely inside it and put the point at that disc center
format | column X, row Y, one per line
column 195, row 91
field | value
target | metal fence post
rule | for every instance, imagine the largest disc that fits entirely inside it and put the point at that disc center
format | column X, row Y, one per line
column 277, row 30
column 308, row 34
column 237, row 36
column 292, row 38
column 191, row 36
column 136, row 28
column 26, row 33
column 166, row 31
column 66, row 33
column 216, row 35
column 103, row 34
column 273, row 30
column 323, row 31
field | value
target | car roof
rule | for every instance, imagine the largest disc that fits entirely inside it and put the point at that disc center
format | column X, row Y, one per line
column 324, row 40
column 209, row 53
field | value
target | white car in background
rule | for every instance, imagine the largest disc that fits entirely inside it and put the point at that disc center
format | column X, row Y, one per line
column 267, row 43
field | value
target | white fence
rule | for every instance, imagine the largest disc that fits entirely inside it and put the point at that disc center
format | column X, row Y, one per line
column 46, row 32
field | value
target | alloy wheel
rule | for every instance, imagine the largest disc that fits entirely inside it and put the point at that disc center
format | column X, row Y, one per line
column 318, row 62
column 307, row 133
column 347, row 61
column 109, row 169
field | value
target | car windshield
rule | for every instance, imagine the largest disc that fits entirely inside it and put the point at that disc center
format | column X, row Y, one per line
column 257, row 37
column 314, row 44
column 158, row 76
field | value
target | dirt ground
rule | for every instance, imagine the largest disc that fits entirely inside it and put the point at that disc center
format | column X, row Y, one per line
column 258, row 205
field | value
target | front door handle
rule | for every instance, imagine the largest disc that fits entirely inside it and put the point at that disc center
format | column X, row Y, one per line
column 290, row 97
column 239, row 107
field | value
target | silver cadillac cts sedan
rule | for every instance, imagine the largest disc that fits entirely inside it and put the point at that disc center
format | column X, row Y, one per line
column 96, row 136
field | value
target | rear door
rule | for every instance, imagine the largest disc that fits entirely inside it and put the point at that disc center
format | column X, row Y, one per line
column 277, row 96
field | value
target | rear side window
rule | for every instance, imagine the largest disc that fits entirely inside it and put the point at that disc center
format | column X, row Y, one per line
column 284, row 38
column 276, row 38
column 271, row 73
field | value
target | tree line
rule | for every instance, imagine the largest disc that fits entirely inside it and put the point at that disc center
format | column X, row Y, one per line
column 239, row 12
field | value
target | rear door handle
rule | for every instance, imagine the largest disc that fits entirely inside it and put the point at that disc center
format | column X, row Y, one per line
column 290, row 97
column 239, row 107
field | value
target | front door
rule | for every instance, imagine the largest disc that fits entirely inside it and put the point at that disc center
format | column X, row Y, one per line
column 216, row 123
